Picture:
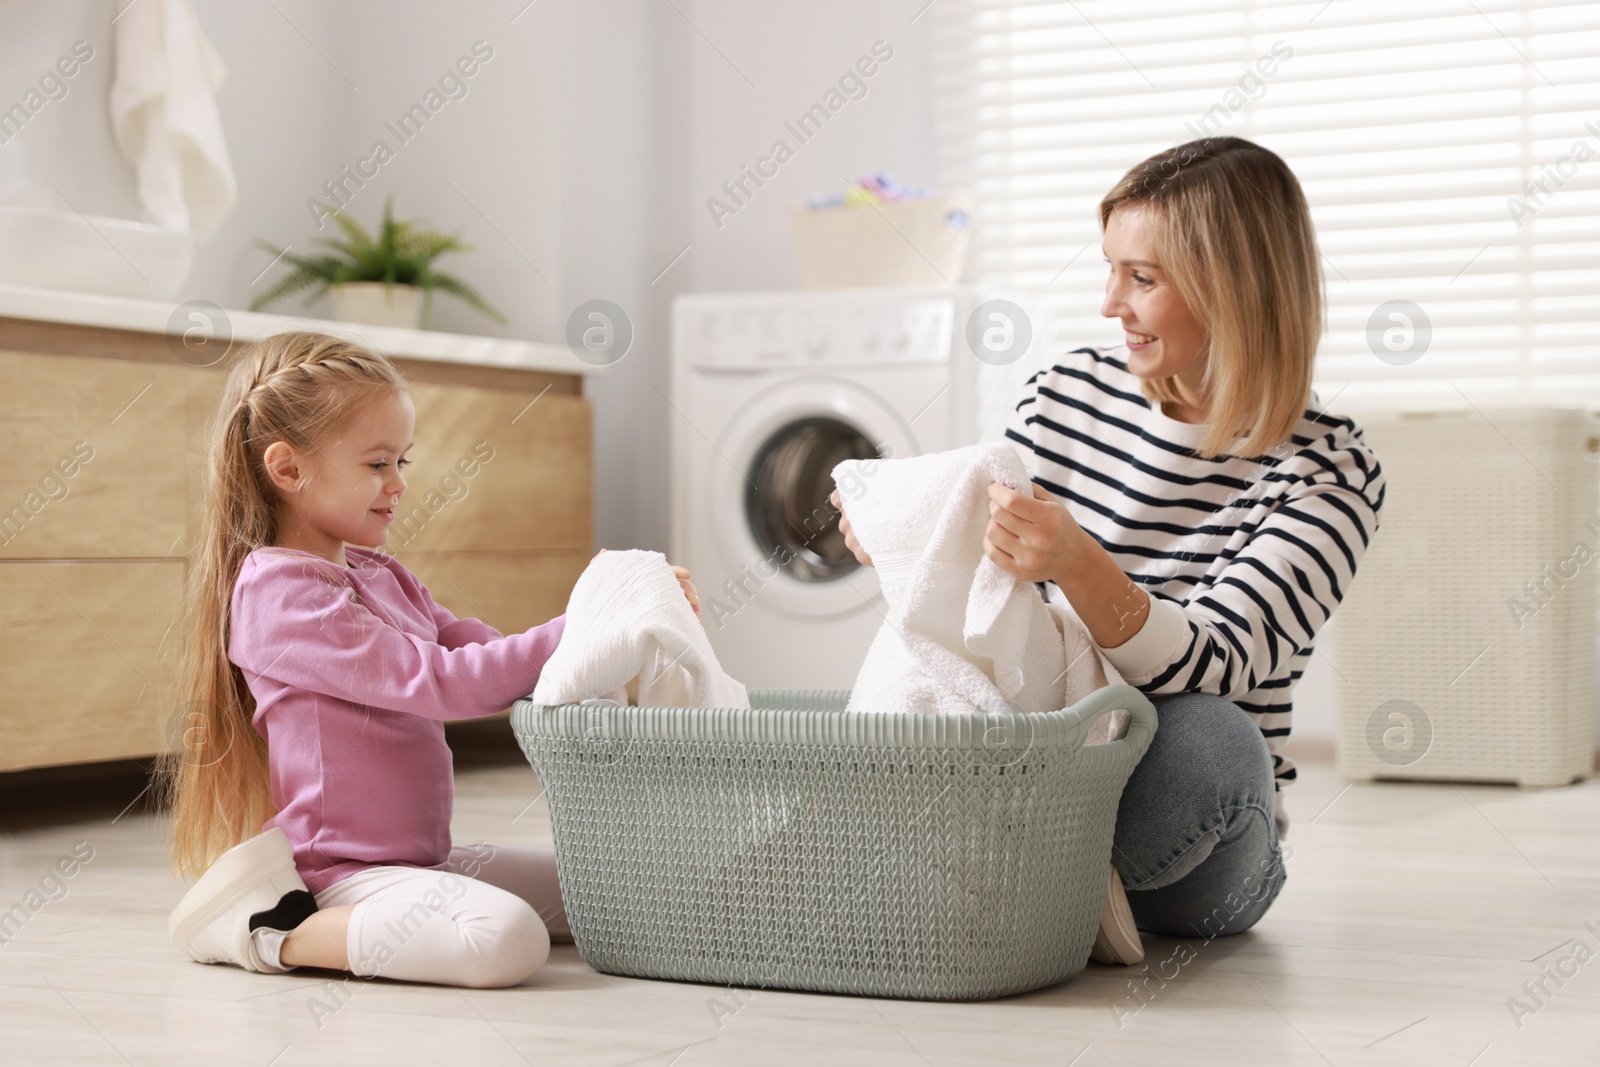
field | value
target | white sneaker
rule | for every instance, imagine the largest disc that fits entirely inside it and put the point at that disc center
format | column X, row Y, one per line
column 1118, row 940
column 253, row 884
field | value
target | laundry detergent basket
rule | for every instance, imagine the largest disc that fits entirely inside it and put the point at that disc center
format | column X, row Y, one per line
column 794, row 844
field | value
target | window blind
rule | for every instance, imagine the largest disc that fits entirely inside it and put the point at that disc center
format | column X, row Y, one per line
column 1449, row 149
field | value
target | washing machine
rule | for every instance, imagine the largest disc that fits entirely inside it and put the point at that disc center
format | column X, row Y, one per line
column 769, row 392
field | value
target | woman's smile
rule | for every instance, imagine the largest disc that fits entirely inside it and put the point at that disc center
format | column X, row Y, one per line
column 1138, row 342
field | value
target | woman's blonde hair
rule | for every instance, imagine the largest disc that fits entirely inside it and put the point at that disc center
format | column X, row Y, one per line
column 1231, row 227
column 297, row 388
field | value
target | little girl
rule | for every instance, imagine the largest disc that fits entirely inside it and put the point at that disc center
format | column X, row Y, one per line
column 317, row 676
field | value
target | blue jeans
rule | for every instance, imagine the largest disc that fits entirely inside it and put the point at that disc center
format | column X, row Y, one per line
column 1196, row 843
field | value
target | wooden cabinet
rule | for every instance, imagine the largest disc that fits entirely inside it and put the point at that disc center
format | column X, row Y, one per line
column 87, row 660
column 491, row 471
column 99, row 497
column 94, row 457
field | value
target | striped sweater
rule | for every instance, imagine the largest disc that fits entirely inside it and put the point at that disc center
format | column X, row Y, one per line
column 1244, row 557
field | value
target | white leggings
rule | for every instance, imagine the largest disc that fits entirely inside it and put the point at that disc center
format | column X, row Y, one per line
column 485, row 921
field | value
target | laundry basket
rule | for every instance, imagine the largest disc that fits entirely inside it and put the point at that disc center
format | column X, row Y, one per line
column 797, row 845
column 1465, row 648
column 914, row 242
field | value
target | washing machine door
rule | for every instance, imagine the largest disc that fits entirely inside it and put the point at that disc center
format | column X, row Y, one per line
column 770, row 479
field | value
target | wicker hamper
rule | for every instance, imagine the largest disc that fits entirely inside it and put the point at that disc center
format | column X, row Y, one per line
column 916, row 242
column 1465, row 647
column 797, row 845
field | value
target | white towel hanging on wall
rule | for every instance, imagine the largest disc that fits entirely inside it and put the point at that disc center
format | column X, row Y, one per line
column 164, row 115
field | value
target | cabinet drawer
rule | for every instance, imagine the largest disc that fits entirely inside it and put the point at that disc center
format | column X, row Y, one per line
column 489, row 472
column 95, row 455
column 89, row 661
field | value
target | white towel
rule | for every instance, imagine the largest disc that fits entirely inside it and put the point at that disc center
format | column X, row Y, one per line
column 960, row 634
column 165, row 119
column 632, row 638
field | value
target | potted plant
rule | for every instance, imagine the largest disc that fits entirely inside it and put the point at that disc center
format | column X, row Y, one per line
column 384, row 281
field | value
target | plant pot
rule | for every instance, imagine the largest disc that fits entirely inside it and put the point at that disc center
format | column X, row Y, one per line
column 376, row 304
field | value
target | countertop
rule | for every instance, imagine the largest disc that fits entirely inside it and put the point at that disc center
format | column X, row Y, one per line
column 153, row 316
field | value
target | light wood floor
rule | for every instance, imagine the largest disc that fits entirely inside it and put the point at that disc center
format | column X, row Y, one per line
column 1412, row 914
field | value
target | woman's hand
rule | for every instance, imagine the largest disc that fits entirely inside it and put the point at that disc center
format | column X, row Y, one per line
column 688, row 589
column 1035, row 539
column 1032, row 538
column 850, row 541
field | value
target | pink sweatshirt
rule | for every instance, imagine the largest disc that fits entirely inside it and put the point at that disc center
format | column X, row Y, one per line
column 355, row 670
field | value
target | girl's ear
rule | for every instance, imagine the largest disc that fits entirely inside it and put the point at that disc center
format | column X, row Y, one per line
column 283, row 466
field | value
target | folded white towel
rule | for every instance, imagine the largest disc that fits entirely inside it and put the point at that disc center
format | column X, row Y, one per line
column 164, row 115
column 632, row 638
column 960, row 633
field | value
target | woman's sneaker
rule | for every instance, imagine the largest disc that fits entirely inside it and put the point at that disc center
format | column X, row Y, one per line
column 1118, row 940
column 252, row 885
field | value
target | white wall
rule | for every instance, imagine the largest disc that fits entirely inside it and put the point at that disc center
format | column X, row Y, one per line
column 622, row 161
column 488, row 164
column 64, row 154
column 793, row 54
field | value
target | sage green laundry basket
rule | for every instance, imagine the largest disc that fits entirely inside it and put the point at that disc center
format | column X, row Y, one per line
column 796, row 845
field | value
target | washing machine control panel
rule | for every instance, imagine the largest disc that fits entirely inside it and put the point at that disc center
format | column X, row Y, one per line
column 859, row 332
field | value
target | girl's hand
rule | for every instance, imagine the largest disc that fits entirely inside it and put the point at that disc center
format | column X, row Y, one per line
column 688, row 589
column 1032, row 538
column 850, row 541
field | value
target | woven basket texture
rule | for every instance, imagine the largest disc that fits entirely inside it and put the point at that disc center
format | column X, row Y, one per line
column 796, row 845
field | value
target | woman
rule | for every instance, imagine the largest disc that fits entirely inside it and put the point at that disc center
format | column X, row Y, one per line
column 1200, row 514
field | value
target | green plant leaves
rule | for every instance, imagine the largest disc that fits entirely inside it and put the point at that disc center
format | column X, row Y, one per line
column 400, row 253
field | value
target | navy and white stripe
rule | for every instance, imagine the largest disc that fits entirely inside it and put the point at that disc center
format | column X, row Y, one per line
column 1244, row 557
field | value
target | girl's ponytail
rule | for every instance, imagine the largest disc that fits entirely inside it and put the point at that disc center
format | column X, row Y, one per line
column 293, row 387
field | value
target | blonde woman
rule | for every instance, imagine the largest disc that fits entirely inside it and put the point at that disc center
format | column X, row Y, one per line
column 314, row 787
column 1201, row 514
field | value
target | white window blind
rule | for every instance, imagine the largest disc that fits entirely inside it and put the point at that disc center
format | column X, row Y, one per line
column 1416, row 127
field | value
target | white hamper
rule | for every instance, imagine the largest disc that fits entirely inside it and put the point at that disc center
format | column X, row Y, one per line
column 1453, row 662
